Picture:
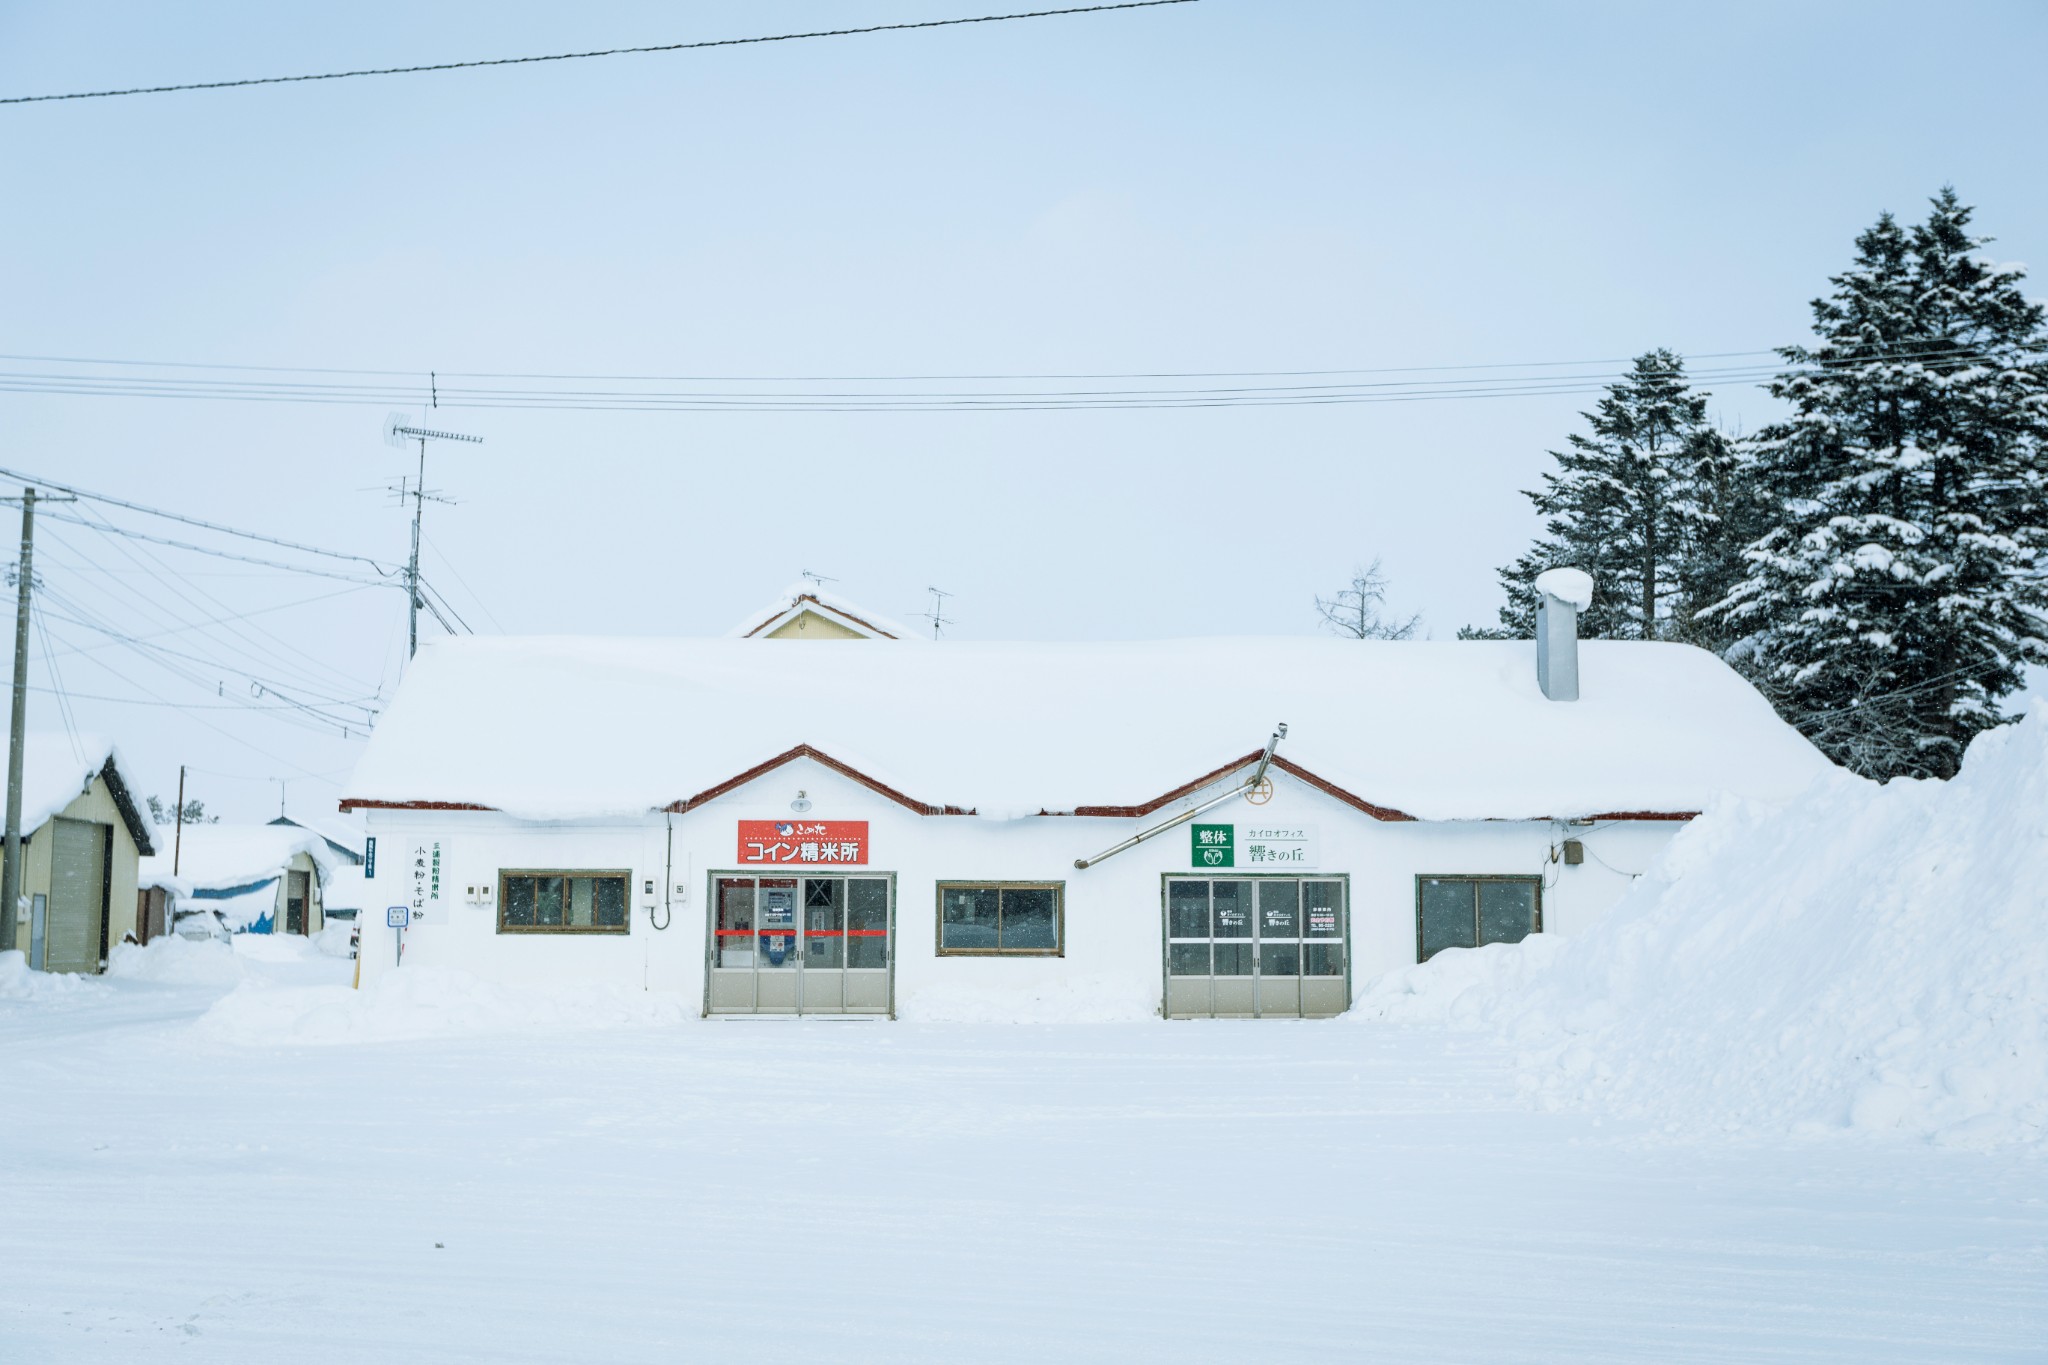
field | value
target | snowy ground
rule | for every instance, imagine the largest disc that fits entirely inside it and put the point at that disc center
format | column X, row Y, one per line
column 873, row 1191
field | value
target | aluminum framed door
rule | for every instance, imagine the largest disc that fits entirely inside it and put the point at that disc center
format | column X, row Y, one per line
column 1256, row 947
column 800, row 945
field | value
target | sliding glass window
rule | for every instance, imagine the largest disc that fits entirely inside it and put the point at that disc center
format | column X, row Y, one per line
column 1001, row 919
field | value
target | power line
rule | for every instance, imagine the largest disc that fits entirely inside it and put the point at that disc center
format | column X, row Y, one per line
column 239, row 622
column 580, row 56
column 628, row 393
column 485, row 607
column 131, row 534
column 151, row 701
column 159, row 654
column 113, row 501
column 226, row 734
column 1908, row 346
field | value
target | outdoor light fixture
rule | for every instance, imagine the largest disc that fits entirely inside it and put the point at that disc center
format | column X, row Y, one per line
column 801, row 804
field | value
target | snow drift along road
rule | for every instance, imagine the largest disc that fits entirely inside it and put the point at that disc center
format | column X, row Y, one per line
column 1870, row 957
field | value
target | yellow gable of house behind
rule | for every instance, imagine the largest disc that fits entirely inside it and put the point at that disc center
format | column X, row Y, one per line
column 811, row 625
column 803, row 612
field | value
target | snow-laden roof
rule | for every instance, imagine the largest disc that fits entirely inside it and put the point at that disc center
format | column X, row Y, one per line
column 344, row 830
column 345, row 888
column 56, row 769
column 803, row 595
column 572, row 727
column 216, row 856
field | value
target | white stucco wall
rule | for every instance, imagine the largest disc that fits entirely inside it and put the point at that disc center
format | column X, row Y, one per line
column 1113, row 917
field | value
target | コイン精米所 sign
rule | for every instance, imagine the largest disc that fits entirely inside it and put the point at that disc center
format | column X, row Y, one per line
column 804, row 842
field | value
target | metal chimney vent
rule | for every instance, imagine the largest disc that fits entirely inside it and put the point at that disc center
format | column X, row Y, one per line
column 1561, row 594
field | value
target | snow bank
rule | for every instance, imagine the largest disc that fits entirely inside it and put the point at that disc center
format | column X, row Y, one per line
column 171, row 960
column 426, row 1002
column 1865, row 957
column 17, row 982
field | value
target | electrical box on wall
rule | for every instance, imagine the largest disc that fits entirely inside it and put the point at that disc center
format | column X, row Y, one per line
column 1574, row 852
column 480, row 894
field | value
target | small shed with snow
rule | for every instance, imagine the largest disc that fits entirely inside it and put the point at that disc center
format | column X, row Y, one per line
column 1034, row 830
column 81, row 839
column 251, row 879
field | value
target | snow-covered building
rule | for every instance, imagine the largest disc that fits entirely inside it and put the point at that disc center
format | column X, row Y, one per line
column 254, row 879
column 81, row 838
column 344, row 837
column 931, row 830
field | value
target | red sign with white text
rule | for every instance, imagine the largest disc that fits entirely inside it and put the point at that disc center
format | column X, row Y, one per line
column 804, row 842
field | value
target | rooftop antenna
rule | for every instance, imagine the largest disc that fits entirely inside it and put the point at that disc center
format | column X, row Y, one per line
column 818, row 580
column 398, row 433
column 937, row 615
column 280, row 798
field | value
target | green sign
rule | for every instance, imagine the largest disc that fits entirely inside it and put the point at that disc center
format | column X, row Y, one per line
column 1213, row 845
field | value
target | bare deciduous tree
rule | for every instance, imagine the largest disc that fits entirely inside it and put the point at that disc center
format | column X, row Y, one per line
column 1358, row 611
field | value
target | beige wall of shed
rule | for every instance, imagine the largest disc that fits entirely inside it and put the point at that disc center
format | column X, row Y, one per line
column 95, row 804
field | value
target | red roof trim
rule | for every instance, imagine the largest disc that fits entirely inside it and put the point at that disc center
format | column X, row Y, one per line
column 816, row 756
column 1132, row 812
column 846, row 770
column 1332, row 789
column 1644, row 815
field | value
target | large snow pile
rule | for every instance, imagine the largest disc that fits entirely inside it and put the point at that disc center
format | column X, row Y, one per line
column 1867, row 957
column 171, row 959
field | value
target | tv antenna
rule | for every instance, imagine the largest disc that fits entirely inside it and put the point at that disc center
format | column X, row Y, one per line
column 398, row 433
column 937, row 615
column 818, row 580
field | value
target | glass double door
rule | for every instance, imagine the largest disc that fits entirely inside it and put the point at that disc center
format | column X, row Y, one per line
column 1256, row 947
column 800, row 945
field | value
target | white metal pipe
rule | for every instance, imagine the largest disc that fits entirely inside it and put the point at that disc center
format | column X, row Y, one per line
column 1258, row 775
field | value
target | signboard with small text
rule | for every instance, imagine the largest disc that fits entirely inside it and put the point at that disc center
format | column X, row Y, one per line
column 1267, row 847
column 1276, row 846
column 804, row 843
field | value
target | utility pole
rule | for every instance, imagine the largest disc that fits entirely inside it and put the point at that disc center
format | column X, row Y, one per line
column 412, row 566
column 17, row 732
column 178, row 838
column 397, row 431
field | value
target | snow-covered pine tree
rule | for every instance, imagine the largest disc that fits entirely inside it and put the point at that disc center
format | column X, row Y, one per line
column 1647, row 501
column 1900, row 591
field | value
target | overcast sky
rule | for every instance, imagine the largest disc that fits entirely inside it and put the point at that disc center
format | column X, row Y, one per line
column 1220, row 186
